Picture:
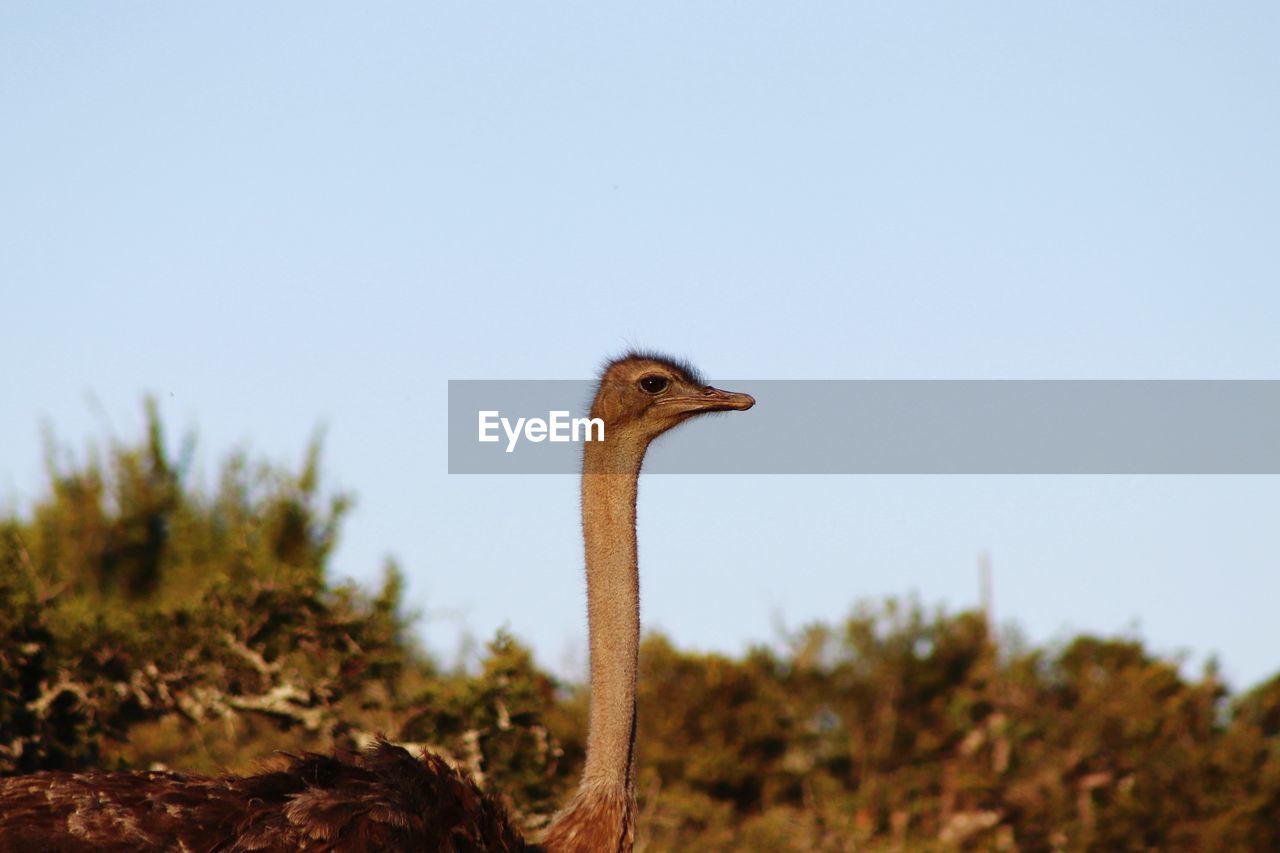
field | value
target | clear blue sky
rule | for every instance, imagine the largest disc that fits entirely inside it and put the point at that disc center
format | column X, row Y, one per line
column 279, row 215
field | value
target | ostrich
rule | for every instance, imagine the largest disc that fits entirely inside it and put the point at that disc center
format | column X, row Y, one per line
column 384, row 798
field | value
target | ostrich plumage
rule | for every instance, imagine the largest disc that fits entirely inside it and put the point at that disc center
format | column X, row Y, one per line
column 380, row 799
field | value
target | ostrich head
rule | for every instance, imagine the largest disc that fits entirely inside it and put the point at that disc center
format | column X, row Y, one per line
column 642, row 395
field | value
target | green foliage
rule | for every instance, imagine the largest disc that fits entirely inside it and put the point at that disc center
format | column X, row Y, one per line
column 493, row 724
column 145, row 620
column 909, row 729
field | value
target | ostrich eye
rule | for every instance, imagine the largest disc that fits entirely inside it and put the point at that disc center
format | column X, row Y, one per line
column 654, row 384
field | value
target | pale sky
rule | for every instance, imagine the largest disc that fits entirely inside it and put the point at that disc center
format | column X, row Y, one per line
column 279, row 216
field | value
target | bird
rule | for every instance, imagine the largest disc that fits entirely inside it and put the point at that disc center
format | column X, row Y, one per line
column 384, row 798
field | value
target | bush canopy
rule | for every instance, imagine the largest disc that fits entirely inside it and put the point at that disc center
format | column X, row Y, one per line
column 146, row 621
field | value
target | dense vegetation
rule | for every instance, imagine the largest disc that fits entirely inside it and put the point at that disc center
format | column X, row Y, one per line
column 145, row 621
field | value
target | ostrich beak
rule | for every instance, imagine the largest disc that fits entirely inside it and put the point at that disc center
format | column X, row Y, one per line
column 712, row 400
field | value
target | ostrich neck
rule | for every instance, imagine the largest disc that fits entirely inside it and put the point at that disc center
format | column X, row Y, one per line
column 601, row 816
column 609, row 481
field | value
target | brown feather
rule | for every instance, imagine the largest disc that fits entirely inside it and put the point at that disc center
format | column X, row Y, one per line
column 379, row 800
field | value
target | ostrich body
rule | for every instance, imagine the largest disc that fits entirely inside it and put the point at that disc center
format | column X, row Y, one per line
column 385, row 799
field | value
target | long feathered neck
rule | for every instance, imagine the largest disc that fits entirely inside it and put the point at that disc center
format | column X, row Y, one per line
column 613, row 616
column 601, row 815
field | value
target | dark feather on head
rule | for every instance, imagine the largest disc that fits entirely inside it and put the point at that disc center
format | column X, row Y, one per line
column 678, row 365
